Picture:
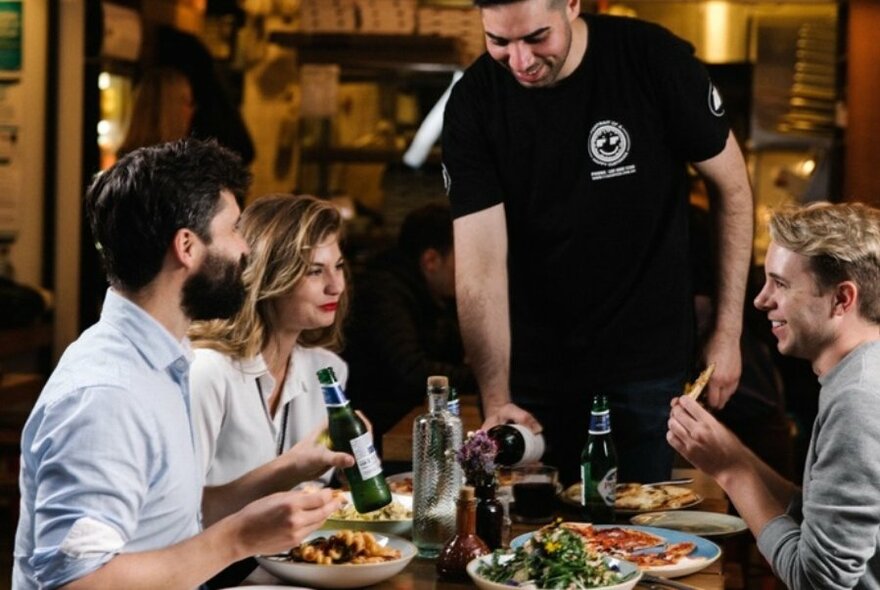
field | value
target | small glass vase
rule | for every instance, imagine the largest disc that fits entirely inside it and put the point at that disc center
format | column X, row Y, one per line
column 490, row 516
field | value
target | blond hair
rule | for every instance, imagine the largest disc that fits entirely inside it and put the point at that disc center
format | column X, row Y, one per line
column 842, row 243
column 281, row 230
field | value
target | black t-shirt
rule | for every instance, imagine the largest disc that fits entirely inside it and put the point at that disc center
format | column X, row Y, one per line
column 592, row 174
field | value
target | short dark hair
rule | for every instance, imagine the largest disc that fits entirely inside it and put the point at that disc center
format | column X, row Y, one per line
column 136, row 206
column 426, row 227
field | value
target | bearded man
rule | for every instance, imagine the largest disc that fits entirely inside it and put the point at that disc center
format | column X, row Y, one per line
column 110, row 483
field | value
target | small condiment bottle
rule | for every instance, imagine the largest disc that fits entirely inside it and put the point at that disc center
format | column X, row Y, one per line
column 465, row 545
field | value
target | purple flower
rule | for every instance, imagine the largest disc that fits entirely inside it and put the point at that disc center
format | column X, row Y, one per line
column 477, row 458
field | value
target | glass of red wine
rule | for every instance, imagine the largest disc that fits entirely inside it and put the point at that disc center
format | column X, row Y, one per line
column 534, row 493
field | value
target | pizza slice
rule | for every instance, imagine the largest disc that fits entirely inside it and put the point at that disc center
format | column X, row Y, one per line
column 678, row 496
column 640, row 547
column 615, row 539
column 668, row 555
column 693, row 390
column 639, row 498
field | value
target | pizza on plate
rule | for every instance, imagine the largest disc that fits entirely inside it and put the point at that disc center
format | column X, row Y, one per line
column 636, row 497
column 640, row 547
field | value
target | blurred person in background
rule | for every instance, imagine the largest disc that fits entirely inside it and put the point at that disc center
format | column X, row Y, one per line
column 218, row 115
column 162, row 111
column 404, row 325
column 822, row 298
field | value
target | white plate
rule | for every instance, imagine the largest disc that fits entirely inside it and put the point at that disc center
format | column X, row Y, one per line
column 572, row 497
column 705, row 551
column 626, row 568
column 402, row 527
column 341, row 575
column 705, row 524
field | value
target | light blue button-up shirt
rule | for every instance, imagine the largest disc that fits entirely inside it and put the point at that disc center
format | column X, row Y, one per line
column 108, row 462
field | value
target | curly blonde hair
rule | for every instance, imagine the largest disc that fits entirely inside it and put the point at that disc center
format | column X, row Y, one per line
column 281, row 230
column 842, row 242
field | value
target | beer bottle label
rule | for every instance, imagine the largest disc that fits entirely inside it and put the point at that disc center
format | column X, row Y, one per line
column 600, row 422
column 333, row 396
column 365, row 456
column 607, row 487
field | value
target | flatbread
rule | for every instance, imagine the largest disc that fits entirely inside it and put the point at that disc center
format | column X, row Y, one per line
column 693, row 390
column 641, row 498
column 636, row 497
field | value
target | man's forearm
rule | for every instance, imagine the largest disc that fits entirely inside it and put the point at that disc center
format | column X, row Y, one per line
column 782, row 489
column 753, row 498
column 735, row 248
column 185, row 565
column 482, row 298
column 734, row 218
column 218, row 502
column 487, row 342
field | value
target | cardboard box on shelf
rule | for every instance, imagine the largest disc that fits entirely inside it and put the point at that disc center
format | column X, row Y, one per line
column 387, row 16
column 463, row 24
column 328, row 16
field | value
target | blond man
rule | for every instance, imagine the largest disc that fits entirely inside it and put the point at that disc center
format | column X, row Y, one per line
column 822, row 297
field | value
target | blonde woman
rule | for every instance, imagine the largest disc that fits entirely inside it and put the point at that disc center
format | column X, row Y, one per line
column 254, row 387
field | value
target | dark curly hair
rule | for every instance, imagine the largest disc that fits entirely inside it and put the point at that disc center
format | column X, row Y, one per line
column 135, row 207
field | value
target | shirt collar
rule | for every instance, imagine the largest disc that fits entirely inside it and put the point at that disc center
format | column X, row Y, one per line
column 294, row 385
column 157, row 345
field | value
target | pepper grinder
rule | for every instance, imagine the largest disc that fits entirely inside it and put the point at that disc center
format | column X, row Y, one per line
column 465, row 545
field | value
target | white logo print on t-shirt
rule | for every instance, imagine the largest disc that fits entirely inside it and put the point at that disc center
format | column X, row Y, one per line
column 609, row 146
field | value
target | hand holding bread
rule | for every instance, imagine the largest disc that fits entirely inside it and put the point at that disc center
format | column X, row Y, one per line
column 693, row 390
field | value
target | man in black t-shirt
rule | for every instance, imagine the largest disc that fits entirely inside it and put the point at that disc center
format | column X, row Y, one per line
column 565, row 149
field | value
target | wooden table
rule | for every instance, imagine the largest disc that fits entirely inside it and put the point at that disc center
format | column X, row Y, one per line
column 397, row 446
column 421, row 574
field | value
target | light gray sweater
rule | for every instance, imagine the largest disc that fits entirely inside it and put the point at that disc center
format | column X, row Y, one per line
column 829, row 539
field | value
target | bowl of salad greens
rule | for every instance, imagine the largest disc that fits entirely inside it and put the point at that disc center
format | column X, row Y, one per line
column 554, row 558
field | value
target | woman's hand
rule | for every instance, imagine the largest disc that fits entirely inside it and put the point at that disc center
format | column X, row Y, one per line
column 310, row 457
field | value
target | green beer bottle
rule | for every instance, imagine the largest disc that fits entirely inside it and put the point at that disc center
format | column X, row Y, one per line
column 369, row 491
column 599, row 466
